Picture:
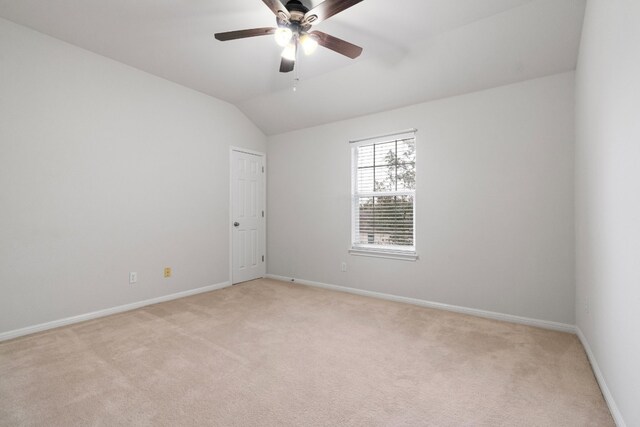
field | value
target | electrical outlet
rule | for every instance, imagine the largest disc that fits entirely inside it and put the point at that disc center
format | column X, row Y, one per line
column 133, row 277
column 167, row 272
column 343, row 267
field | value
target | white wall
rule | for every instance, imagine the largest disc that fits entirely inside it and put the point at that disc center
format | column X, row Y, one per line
column 495, row 215
column 104, row 170
column 608, row 198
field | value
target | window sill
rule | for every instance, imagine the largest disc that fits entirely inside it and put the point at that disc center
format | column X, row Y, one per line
column 403, row 256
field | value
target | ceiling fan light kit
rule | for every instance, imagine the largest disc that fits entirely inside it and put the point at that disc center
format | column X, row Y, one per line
column 294, row 22
column 283, row 36
column 289, row 52
column 309, row 43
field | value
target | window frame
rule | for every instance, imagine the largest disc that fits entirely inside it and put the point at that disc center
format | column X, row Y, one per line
column 373, row 250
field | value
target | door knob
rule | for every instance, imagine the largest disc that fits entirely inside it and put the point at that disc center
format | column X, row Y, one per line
column 236, row 224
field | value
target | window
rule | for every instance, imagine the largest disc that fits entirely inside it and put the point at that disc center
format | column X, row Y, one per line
column 384, row 196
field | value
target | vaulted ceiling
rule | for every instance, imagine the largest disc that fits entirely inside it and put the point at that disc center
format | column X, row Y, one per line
column 414, row 50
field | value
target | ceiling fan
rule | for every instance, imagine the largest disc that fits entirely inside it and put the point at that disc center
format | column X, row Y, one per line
column 294, row 22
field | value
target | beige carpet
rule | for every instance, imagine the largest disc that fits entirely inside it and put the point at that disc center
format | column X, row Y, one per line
column 268, row 353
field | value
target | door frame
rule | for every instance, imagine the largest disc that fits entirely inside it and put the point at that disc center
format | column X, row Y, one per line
column 264, row 207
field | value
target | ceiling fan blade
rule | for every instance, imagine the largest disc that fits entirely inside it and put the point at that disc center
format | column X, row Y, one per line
column 241, row 34
column 278, row 9
column 326, row 10
column 286, row 65
column 337, row 45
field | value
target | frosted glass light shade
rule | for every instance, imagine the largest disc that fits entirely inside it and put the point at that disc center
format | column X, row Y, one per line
column 289, row 52
column 283, row 36
column 309, row 43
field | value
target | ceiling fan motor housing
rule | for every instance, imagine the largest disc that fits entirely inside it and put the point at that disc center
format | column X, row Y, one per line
column 296, row 6
column 296, row 20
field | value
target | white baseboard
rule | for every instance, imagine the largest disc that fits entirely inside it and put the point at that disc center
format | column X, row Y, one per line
column 106, row 312
column 545, row 324
column 608, row 397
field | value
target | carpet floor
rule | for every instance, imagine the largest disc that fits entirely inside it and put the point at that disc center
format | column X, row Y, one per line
column 269, row 353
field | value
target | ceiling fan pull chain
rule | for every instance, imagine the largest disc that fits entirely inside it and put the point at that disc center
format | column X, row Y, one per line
column 296, row 78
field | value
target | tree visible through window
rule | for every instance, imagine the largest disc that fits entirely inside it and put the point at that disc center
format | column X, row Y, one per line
column 384, row 183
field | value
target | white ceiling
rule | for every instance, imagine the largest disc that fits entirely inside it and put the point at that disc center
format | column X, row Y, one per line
column 414, row 50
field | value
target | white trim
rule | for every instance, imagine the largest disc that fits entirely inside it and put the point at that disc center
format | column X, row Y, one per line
column 264, row 205
column 545, row 324
column 380, row 253
column 106, row 312
column 409, row 133
column 608, row 397
column 247, row 151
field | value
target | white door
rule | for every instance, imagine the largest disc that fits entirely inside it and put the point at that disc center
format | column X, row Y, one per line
column 247, row 216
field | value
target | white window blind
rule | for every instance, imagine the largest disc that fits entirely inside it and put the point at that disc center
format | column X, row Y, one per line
column 383, row 194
